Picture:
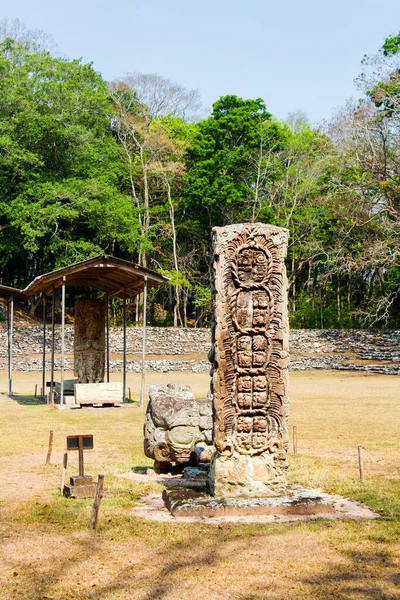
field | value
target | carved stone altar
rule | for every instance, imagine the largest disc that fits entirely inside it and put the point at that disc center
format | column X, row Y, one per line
column 250, row 361
column 89, row 340
column 177, row 425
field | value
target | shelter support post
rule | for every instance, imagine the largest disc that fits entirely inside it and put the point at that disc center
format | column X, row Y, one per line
column 10, row 342
column 143, row 342
column 53, row 302
column 62, row 344
column 107, row 339
column 124, row 360
column 44, row 349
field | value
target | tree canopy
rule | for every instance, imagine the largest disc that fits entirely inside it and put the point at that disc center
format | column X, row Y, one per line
column 131, row 169
column 61, row 183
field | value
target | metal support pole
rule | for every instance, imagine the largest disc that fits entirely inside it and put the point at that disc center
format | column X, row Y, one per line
column 124, row 362
column 107, row 340
column 53, row 301
column 10, row 342
column 62, row 344
column 44, row 349
column 143, row 342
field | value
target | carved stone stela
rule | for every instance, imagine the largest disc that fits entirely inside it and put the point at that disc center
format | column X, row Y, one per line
column 250, row 361
column 89, row 340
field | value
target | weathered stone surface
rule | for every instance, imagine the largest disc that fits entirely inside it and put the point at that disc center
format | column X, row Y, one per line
column 176, row 423
column 250, row 361
column 80, row 487
column 188, row 502
column 98, row 393
column 194, row 474
column 89, row 340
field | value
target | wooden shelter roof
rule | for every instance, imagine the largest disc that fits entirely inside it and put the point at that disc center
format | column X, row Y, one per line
column 109, row 274
column 7, row 292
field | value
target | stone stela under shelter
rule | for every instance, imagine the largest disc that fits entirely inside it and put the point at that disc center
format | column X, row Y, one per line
column 89, row 340
column 108, row 274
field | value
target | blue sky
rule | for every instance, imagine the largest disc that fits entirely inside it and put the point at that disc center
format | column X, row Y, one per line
column 296, row 55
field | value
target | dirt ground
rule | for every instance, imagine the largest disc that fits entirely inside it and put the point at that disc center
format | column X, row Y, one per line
column 303, row 384
column 24, row 382
column 48, row 553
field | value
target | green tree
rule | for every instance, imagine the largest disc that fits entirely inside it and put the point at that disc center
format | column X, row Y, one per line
column 150, row 127
column 61, row 178
column 367, row 140
column 229, row 161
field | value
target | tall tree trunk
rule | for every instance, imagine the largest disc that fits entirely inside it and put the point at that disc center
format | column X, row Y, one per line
column 349, row 291
column 185, row 303
column 256, row 192
column 177, row 315
column 293, row 284
column 146, row 202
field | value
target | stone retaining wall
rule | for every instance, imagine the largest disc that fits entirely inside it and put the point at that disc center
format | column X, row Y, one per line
column 172, row 349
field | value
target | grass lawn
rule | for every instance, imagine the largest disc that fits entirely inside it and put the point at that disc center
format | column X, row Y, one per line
column 47, row 551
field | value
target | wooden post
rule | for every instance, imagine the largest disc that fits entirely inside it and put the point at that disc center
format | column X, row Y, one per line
column 130, row 397
column 36, row 390
column 295, row 440
column 61, row 405
column 81, row 469
column 43, row 392
column 107, row 339
column 124, row 350
column 51, row 399
column 96, row 503
column 143, row 342
column 64, row 470
column 10, row 343
column 50, row 447
column 361, row 462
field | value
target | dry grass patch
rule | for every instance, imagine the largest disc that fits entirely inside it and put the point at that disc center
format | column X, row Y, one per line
column 46, row 550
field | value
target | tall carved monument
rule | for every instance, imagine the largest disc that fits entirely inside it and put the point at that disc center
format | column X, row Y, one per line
column 89, row 340
column 250, row 361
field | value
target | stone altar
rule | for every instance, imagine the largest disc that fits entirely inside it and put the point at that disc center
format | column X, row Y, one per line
column 89, row 340
column 249, row 359
column 177, row 426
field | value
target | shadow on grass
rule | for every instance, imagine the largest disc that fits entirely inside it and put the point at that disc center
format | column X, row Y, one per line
column 162, row 561
column 169, row 469
column 28, row 400
column 366, row 567
column 142, row 470
column 368, row 573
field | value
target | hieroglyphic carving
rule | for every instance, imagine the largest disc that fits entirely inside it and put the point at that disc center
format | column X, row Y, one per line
column 89, row 340
column 250, row 339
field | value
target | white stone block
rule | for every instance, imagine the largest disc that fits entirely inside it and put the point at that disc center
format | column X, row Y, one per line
column 98, row 393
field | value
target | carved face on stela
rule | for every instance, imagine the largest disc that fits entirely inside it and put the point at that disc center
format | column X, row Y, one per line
column 252, row 266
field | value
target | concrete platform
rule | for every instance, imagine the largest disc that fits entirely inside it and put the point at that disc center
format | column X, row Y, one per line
column 302, row 504
column 192, row 503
